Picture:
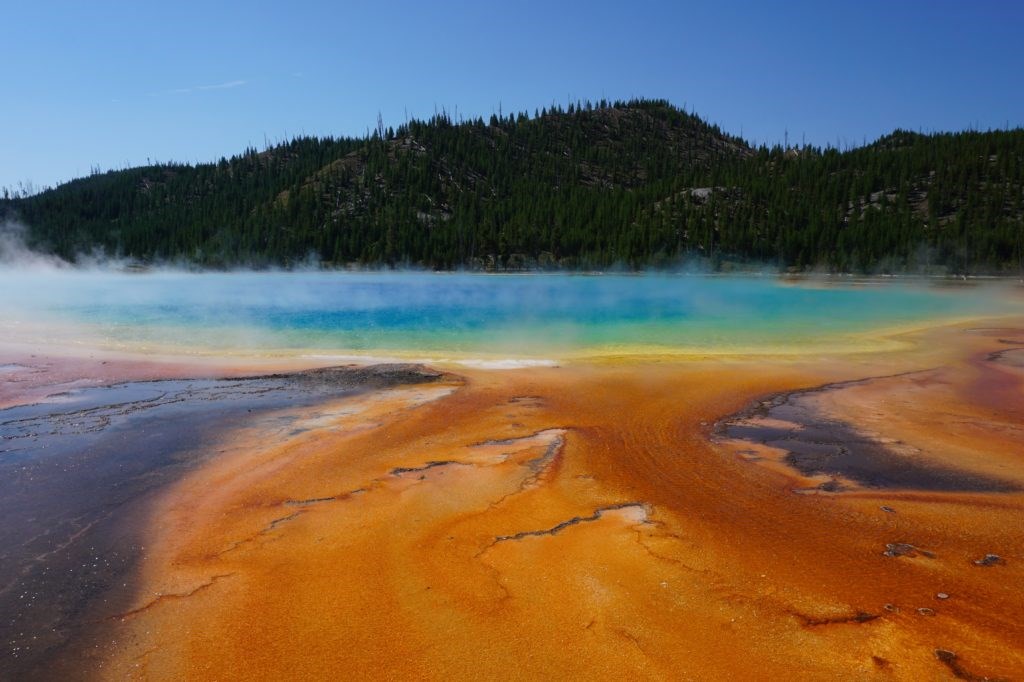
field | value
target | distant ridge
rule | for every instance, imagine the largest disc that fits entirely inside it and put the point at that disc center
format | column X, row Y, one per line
column 637, row 184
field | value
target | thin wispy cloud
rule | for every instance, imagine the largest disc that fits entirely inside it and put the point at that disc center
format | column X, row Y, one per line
column 227, row 85
column 222, row 86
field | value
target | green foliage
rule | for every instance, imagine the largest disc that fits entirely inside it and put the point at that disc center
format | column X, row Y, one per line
column 631, row 184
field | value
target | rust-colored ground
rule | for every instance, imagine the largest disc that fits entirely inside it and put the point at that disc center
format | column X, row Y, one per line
column 582, row 522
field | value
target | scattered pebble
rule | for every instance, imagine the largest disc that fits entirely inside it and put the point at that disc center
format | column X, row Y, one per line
column 942, row 595
column 925, row 611
column 891, row 608
column 989, row 560
column 898, row 549
column 888, row 510
column 905, row 549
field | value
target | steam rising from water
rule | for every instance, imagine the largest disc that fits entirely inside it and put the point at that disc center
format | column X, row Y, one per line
column 14, row 253
column 494, row 321
column 481, row 320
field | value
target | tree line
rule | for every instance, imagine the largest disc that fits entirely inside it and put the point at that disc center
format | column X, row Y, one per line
column 634, row 184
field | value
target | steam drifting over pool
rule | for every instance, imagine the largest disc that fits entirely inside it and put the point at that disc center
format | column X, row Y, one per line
column 491, row 320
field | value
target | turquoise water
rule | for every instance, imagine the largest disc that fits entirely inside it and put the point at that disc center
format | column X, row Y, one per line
column 465, row 315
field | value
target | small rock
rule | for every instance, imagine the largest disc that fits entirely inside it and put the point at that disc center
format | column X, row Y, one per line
column 906, row 549
column 925, row 611
column 899, row 549
column 888, row 510
column 942, row 595
column 990, row 560
column 892, row 608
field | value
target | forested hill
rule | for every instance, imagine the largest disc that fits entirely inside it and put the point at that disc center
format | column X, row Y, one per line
column 631, row 184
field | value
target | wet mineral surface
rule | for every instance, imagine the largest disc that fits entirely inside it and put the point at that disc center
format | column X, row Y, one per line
column 746, row 518
column 77, row 471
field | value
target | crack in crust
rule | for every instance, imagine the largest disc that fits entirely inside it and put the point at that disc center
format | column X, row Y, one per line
column 554, row 530
column 262, row 531
column 171, row 597
column 817, row 621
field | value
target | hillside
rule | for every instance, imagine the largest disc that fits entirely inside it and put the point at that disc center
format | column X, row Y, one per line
column 634, row 184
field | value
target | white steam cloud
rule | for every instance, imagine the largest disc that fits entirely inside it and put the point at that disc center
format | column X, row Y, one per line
column 227, row 85
column 15, row 252
column 17, row 255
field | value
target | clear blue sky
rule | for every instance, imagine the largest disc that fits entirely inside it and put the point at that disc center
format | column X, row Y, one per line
column 111, row 84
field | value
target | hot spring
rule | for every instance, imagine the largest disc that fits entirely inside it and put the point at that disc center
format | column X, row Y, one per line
column 470, row 317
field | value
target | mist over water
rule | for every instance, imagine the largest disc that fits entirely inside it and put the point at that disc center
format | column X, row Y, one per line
column 456, row 315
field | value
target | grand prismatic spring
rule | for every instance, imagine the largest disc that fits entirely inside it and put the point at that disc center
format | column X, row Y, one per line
column 441, row 476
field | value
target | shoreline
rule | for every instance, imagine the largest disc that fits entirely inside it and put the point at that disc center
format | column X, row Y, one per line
column 880, row 340
column 754, row 272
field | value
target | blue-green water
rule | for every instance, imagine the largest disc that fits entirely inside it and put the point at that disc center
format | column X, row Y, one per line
column 465, row 315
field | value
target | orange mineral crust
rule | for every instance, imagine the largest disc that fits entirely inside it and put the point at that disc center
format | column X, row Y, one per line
column 587, row 522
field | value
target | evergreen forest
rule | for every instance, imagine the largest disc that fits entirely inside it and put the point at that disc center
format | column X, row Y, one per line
column 631, row 185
